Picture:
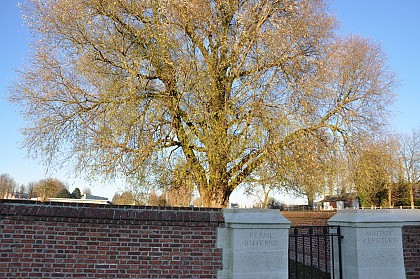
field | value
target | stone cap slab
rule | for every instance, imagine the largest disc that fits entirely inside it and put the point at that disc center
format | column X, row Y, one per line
column 376, row 217
column 248, row 218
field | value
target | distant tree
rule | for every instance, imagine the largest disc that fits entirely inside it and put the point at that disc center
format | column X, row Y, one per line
column 124, row 198
column 263, row 183
column 156, row 200
column 87, row 191
column 31, row 190
column 8, row 186
column 401, row 194
column 175, row 181
column 20, row 193
column 49, row 188
column 76, row 194
column 181, row 185
column 311, row 164
column 130, row 197
column 410, row 157
column 375, row 171
column 197, row 202
column 275, row 204
column 64, row 193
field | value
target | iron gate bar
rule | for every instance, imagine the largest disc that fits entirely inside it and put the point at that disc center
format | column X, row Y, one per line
column 310, row 250
column 332, row 257
column 318, row 261
column 325, row 250
column 296, row 254
column 340, row 262
column 327, row 234
column 303, row 250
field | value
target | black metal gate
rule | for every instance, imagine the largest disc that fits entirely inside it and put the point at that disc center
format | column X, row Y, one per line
column 315, row 252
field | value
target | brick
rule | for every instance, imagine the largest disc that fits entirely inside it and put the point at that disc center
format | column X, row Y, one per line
column 83, row 241
column 411, row 250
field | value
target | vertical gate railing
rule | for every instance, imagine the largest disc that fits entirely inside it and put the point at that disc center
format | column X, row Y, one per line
column 315, row 252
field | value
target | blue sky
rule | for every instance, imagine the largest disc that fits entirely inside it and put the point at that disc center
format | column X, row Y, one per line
column 394, row 24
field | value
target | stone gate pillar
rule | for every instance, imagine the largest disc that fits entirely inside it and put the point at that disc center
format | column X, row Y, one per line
column 255, row 244
column 372, row 242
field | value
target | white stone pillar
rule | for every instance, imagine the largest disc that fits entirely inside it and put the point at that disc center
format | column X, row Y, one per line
column 372, row 242
column 255, row 244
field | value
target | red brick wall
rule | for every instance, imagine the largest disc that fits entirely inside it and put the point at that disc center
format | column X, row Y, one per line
column 411, row 246
column 308, row 218
column 57, row 240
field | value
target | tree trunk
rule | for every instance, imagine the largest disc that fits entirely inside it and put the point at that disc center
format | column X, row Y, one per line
column 218, row 198
column 310, row 201
column 390, row 196
column 411, row 195
column 265, row 203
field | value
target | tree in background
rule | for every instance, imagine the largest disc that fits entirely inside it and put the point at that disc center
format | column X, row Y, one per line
column 410, row 159
column 311, row 165
column 375, row 172
column 120, row 85
column 275, row 204
column 87, row 191
column 157, row 200
column 262, row 183
column 45, row 188
column 401, row 194
column 31, row 190
column 181, row 185
column 137, row 193
column 8, row 186
column 76, row 194
column 21, row 192
column 124, row 198
column 64, row 194
column 49, row 188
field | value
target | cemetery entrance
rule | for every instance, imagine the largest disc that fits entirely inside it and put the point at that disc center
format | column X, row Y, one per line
column 315, row 252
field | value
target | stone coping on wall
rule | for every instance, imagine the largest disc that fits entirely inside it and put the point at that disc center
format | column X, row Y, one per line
column 369, row 217
column 106, row 213
column 243, row 218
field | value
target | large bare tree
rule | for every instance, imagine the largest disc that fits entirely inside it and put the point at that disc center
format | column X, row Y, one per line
column 118, row 85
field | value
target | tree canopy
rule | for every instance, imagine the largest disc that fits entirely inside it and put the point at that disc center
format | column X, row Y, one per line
column 8, row 186
column 49, row 188
column 227, row 86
